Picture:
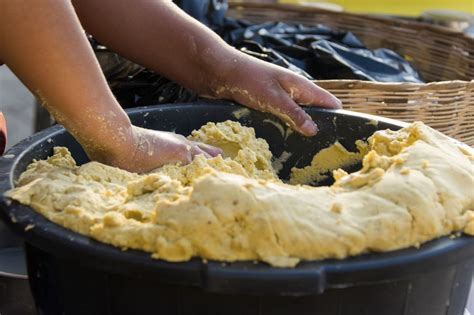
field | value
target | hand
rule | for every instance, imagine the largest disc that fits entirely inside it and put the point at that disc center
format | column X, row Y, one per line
column 149, row 149
column 273, row 89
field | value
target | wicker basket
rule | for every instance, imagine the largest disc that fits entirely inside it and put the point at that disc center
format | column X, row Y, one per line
column 438, row 53
column 446, row 106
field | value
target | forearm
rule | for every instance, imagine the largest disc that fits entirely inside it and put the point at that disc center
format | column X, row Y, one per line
column 44, row 44
column 158, row 35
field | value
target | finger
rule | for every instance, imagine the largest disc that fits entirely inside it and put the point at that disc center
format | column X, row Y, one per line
column 196, row 150
column 285, row 108
column 275, row 100
column 305, row 92
column 209, row 149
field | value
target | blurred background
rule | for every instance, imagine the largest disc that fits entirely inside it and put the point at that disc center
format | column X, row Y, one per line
column 17, row 104
column 399, row 7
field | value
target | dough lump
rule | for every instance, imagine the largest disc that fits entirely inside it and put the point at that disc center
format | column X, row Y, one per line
column 415, row 185
column 325, row 161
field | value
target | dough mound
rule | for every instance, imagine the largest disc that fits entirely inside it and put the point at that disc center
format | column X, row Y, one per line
column 244, row 154
column 415, row 185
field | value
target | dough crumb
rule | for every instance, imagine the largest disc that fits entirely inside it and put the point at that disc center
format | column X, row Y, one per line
column 336, row 208
column 240, row 113
column 424, row 164
column 277, row 163
column 405, row 171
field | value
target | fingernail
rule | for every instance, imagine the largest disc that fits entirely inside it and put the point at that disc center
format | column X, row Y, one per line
column 309, row 128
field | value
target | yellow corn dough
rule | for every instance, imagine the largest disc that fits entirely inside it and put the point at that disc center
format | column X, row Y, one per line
column 415, row 185
column 327, row 160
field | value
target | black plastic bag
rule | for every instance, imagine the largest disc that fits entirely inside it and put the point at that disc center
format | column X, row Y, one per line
column 318, row 52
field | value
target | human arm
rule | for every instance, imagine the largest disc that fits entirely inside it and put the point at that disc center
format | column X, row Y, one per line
column 158, row 35
column 45, row 46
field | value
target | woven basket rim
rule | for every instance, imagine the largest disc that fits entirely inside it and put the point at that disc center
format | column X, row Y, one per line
column 437, row 85
column 392, row 21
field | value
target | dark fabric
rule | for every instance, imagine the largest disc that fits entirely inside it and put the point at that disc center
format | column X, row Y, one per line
column 208, row 12
column 318, row 52
column 134, row 85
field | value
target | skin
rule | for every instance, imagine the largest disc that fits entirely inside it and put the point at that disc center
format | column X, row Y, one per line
column 44, row 44
column 3, row 133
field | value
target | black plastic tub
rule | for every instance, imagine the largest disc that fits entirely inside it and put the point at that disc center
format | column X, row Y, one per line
column 73, row 274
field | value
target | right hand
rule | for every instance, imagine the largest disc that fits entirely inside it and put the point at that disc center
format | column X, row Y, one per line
column 150, row 149
column 269, row 88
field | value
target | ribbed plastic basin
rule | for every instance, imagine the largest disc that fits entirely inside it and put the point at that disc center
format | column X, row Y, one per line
column 73, row 274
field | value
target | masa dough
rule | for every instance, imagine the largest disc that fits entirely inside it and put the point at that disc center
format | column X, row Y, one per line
column 325, row 161
column 415, row 185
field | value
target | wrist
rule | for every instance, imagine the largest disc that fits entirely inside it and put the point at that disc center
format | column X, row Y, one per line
column 221, row 67
column 106, row 137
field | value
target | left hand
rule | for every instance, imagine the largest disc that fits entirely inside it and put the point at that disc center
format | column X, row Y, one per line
column 143, row 150
column 273, row 89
